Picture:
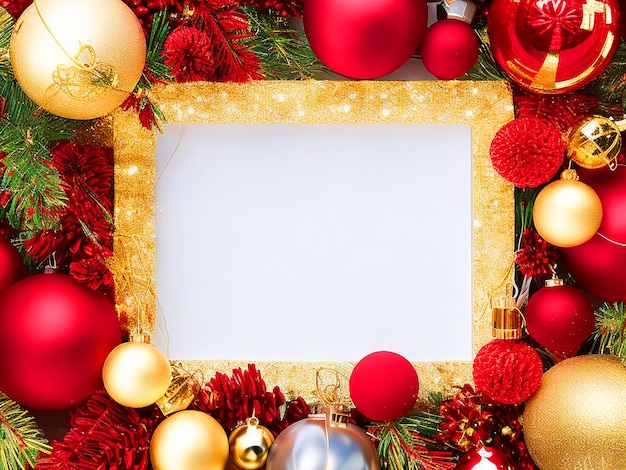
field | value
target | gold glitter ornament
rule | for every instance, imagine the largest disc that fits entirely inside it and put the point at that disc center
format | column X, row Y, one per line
column 577, row 417
column 594, row 142
column 250, row 444
column 78, row 59
column 136, row 374
column 567, row 212
column 189, row 440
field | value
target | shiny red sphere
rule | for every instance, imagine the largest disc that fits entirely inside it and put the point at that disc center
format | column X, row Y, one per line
column 364, row 38
column 484, row 458
column 12, row 267
column 553, row 46
column 559, row 318
column 54, row 337
column 384, row 386
column 449, row 49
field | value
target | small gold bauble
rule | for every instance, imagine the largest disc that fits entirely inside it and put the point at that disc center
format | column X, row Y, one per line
column 567, row 212
column 250, row 444
column 189, row 440
column 577, row 417
column 78, row 59
column 594, row 142
column 136, row 374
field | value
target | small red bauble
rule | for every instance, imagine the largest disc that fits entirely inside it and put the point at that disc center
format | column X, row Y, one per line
column 364, row 38
column 560, row 318
column 507, row 371
column 553, row 46
column 484, row 458
column 54, row 337
column 449, row 49
column 12, row 267
column 384, row 386
column 598, row 265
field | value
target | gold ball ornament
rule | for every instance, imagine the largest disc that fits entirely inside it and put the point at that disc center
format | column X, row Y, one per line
column 567, row 212
column 250, row 444
column 136, row 374
column 594, row 142
column 577, row 417
column 189, row 440
column 78, row 59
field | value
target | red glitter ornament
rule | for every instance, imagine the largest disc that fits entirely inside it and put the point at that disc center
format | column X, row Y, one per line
column 507, row 371
column 553, row 46
column 384, row 386
column 527, row 151
column 449, row 49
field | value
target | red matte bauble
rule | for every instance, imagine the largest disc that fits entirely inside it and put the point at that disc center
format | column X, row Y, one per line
column 364, row 38
column 384, row 386
column 12, row 267
column 449, row 49
column 598, row 264
column 54, row 337
column 559, row 318
column 553, row 46
column 484, row 458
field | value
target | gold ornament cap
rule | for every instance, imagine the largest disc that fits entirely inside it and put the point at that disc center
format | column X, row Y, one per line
column 507, row 323
column 554, row 282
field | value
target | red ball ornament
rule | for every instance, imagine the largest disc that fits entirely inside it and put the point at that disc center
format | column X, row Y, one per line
column 54, row 337
column 598, row 264
column 12, row 267
column 507, row 371
column 559, row 317
column 384, row 386
column 449, row 49
column 364, row 38
column 484, row 458
column 553, row 46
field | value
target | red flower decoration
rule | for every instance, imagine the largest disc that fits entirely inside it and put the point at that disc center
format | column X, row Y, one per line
column 508, row 371
column 527, row 151
column 231, row 400
column 95, row 274
column 537, row 257
column 189, row 52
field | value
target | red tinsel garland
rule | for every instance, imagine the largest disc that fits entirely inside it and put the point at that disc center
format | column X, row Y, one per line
column 537, row 257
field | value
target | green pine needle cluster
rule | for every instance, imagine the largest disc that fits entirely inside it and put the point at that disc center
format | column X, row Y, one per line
column 609, row 336
column 284, row 52
column 21, row 441
column 486, row 67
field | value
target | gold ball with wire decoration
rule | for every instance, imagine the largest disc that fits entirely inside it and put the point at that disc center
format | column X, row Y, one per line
column 78, row 59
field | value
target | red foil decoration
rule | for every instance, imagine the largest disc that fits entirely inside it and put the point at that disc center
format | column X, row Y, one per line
column 553, row 46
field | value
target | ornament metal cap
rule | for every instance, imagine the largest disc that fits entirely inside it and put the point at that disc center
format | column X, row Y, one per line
column 554, row 282
column 338, row 416
column 507, row 323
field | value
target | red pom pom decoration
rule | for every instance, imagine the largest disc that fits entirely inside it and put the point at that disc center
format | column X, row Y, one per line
column 364, row 39
column 12, row 267
column 54, row 337
column 384, row 386
column 527, row 151
column 483, row 458
column 560, row 318
column 507, row 371
column 449, row 49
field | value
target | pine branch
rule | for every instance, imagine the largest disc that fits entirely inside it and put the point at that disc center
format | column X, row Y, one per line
column 6, row 29
column 284, row 53
column 486, row 67
column 610, row 86
column 404, row 444
column 609, row 336
column 21, row 441
column 155, row 68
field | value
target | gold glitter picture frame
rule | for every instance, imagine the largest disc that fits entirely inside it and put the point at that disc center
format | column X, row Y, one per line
column 485, row 106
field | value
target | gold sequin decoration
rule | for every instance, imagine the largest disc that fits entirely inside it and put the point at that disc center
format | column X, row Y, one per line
column 485, row 106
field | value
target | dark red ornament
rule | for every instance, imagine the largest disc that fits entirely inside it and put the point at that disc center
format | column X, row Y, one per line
column 364, row 38
column 598, row 264
column 507, row 371
column 553, row 46
column 54, row 337
column 560, row 318
column 484, row 458
column 384, row 386
column 449, row 49
column 12, row 267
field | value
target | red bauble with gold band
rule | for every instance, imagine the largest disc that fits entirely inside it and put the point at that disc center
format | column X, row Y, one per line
column 553, row 46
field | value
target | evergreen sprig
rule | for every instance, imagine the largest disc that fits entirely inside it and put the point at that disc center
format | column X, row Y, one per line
column 609, row 335
column 21, row 441
column 156, row 69
column 610, row 86
column 486, row 67
column 284, row 53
